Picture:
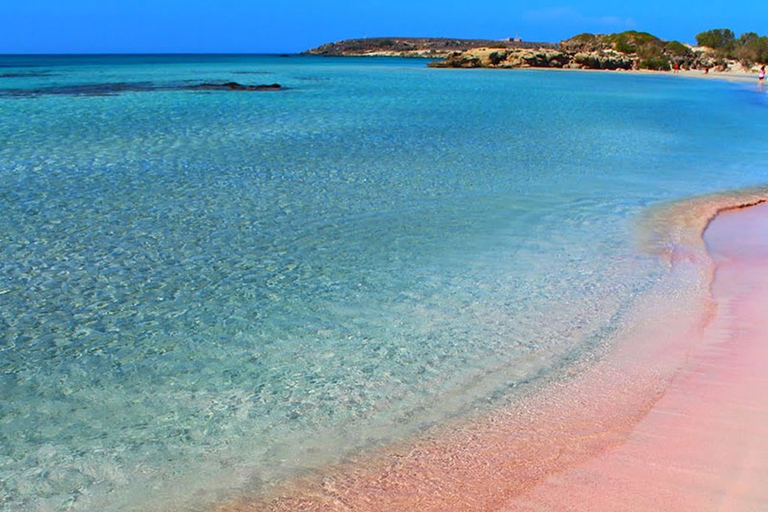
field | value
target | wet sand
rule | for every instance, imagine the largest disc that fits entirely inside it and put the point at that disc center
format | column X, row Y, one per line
column 672, row 417
column 704, row 444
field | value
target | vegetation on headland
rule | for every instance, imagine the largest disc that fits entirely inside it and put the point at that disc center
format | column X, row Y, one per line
column 749, row 48
column 718, row 49
column 657, row 54
column 651, row 52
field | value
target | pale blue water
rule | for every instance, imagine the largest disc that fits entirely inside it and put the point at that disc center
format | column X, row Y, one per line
column 202, row 293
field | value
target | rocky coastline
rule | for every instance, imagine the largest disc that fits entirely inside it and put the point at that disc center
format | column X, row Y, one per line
column 629, row 50
column 419, row 47
column 536, row 58
column 625, row 51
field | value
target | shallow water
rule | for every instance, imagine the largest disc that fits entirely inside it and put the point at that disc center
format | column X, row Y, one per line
column 202, row 293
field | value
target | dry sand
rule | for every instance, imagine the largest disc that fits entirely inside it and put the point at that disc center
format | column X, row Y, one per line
column 736, row 75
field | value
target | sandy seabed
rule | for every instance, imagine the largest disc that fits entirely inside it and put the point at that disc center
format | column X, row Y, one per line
column 673, row 417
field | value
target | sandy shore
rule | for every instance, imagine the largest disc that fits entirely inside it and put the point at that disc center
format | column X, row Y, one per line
column 673, row 417
column 733, row 76
column 704, row 444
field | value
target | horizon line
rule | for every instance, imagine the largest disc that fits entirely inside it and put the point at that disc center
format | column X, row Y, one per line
column 79, row 54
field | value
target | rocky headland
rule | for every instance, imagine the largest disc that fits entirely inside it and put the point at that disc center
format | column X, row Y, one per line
column 627, row 50
column 421, row 47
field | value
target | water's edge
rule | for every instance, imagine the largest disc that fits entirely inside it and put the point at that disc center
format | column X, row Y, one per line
column 566, row 419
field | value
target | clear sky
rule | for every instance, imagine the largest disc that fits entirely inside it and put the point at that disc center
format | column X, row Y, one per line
column 287, row 26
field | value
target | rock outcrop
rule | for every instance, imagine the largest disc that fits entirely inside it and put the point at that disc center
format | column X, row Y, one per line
column 602, row 59
column 626, row 50
column 539, row 58
column 505, row 58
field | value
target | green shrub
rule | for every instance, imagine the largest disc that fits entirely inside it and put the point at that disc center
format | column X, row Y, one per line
column 622, row 44
column 631, row 41
column 586, row 37
column 642, row 38
column 722, row 39
column 655, row 64
column 652, row 57
column 677, row 49
column 747, row 38
column 749, row 48
column 754, row 49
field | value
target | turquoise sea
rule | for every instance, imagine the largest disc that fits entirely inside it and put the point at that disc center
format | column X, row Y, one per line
column 203, row 293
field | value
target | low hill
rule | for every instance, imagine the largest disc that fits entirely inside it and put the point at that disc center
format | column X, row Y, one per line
column 415, row 46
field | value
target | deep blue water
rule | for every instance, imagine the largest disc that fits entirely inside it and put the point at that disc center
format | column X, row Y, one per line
column 202, row 293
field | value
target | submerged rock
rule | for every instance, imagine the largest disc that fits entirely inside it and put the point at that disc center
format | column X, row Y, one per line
column 234, row 86
column 114, row 88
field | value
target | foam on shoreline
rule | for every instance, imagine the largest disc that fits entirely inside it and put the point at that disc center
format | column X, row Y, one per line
column 639, row 428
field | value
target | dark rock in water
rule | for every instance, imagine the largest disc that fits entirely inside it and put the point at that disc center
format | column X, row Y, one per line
column 234, row 86
column 114, row 88
column 252, row 73
column 31, row 74
column 103, row 89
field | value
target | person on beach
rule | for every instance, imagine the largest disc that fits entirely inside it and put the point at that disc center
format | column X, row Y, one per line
column 761, row 75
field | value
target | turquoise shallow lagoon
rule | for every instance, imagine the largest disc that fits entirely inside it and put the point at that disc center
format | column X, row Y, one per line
column 203, row 293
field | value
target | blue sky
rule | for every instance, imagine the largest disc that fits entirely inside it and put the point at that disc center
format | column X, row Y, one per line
column 287, row 26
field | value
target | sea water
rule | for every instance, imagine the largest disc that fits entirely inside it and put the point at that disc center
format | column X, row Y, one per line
column 203, row 293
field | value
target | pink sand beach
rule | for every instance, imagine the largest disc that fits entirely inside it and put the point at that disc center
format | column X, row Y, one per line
column 672, row 417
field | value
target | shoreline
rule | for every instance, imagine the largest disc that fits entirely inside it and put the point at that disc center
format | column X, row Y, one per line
column 737, row 75
column 728, row 76
column 603, row 430
column 703, row 445
column 425, row 275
